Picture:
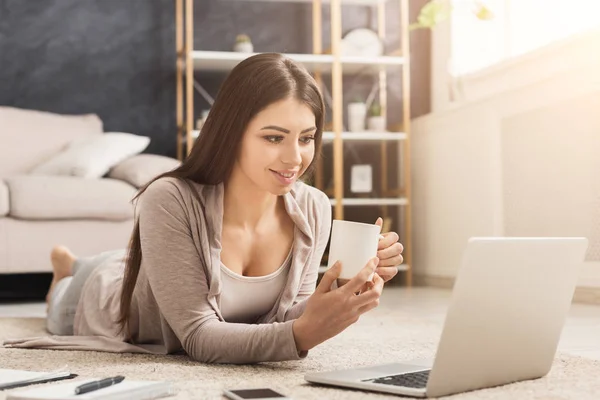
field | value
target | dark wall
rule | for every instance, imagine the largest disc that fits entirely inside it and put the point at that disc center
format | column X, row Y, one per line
column 110, row 57
column 116, row 58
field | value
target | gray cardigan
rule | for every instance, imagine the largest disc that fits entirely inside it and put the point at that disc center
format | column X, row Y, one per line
column 175, row 303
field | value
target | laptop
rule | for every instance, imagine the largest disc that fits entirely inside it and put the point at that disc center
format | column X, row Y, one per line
column 509, row 303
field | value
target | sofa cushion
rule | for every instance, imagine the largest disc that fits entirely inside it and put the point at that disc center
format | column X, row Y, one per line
column 65, row 197
column 94, row 156
column 4, row 204
column 139, row 170
column 28, row 137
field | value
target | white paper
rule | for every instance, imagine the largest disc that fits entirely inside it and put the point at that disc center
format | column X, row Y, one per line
column 125, row 390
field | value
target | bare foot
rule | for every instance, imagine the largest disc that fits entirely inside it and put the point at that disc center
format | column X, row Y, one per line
column 62, row 266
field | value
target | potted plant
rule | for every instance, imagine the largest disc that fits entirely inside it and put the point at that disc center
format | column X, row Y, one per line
column 436, row 11
column 357, row 113
column 243, row 44
column 376, row 121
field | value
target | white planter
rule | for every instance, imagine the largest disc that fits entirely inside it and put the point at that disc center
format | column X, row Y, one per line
column 243, row 47
column 376, row 123
column 357, row 113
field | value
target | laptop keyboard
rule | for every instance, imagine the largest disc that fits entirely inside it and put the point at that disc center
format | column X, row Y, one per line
column 412, row 380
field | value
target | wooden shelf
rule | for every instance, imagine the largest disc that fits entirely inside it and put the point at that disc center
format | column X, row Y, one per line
column 323, row 64
column 224, row 61
column 367, row 135
column 401, row 267
column 371, row 201
column 353, row 136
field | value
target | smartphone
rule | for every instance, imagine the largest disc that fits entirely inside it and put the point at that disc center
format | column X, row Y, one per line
column 255, row 394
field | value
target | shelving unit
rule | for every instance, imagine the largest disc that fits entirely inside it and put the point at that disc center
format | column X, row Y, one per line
column 367, row 136
column 319, row 64
column 225, row 60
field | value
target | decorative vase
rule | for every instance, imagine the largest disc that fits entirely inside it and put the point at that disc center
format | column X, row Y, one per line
column 357, row 112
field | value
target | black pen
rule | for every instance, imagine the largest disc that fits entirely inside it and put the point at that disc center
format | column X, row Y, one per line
column 91, row 386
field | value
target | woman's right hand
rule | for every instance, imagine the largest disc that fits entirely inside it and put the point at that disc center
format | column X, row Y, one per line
column 328, row 312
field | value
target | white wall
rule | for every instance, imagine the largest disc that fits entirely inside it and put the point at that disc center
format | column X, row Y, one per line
column 518, row 156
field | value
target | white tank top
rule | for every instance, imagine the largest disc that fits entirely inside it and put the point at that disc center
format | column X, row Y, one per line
column 246, row 298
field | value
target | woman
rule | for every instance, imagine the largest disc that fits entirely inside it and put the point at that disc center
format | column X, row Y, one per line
column 224, row 256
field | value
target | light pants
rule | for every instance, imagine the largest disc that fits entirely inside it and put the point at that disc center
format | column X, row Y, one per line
column 66, row 293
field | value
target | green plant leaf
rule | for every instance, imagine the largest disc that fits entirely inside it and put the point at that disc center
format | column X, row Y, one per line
column 482, row 12
column 432, row 14
column 375, row 110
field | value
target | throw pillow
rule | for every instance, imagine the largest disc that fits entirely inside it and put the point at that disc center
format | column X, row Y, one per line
column 93, row 157
column 140, row 169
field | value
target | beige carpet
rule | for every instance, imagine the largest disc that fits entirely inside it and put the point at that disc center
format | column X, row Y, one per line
column 385, row 335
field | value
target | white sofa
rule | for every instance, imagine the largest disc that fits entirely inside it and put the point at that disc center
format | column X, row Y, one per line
column 37, row 212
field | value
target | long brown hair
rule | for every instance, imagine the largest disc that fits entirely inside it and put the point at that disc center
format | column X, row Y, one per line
column 251, row 86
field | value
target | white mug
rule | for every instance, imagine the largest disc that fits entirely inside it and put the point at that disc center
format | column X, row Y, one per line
column 353, row 244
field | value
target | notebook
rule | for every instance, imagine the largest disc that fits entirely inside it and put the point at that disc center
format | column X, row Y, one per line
column 126, row 390
column 12, row 378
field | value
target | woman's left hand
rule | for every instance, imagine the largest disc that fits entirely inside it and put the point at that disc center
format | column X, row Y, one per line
column 389, row 253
